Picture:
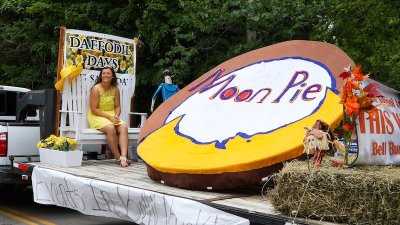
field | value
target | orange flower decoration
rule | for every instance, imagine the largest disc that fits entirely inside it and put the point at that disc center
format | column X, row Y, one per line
column 372, row 111
column 354, row 98
column 352, row 106
column 348, row 127
column 358, row 75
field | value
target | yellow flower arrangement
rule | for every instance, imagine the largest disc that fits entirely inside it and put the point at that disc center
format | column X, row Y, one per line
column 58, row 143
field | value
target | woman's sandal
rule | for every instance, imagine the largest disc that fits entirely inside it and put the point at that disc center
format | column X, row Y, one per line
column 123, row 161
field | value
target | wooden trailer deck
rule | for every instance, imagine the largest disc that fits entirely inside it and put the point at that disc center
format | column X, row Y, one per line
column 247, row 203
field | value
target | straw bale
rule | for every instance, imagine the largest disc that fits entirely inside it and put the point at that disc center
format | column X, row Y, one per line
column 355, row 195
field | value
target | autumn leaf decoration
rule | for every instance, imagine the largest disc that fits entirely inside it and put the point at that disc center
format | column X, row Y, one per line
column 356, row 99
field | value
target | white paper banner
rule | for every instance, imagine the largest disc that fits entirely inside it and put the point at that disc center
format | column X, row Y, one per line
column 379, row 136
column 99, row 198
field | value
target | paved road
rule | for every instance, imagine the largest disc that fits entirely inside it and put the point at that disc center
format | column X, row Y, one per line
column 17, row 208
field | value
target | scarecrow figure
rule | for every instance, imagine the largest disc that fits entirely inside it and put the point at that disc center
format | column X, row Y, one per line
column 167, row 89
column 318, row 141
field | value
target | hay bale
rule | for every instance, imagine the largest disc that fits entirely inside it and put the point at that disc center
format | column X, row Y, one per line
column 358, row 195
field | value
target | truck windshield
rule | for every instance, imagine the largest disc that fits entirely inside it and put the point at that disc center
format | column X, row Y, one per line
column 8, row 105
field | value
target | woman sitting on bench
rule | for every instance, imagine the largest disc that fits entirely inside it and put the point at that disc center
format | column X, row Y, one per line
column 104, row 113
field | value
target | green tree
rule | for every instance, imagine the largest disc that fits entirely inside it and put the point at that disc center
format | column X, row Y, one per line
column 29, row 38
column 369, row 32
column 190, row 37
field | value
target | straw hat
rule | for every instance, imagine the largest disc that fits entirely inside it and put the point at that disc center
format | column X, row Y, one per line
column 70, row 72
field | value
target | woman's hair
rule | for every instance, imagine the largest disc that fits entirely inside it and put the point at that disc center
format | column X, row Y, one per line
column 114, row 79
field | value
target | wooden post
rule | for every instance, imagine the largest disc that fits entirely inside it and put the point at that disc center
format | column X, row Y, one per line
column 132, row 119
column 59, row 68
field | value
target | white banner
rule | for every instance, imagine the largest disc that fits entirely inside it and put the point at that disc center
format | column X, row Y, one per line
column 99, row 198
column 379, row 136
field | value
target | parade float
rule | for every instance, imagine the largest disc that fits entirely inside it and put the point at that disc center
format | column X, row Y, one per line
column 244, row 119
column 241, row 120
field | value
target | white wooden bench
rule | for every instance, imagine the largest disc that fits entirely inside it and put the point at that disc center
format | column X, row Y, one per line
column 75, row 105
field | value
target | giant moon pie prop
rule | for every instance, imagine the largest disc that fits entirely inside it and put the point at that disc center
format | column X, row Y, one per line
column 241, row 120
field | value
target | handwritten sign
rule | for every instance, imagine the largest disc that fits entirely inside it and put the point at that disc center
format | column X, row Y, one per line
column 99, row 198
column 379, row 135
column 226, row 103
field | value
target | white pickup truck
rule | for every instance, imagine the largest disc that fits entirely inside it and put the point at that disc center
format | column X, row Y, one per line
column 17, row 138
column 25, row 118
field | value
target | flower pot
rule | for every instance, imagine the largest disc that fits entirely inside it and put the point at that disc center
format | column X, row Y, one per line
column 61, row 158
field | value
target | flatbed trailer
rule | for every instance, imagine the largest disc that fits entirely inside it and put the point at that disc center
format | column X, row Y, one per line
column 247, row 203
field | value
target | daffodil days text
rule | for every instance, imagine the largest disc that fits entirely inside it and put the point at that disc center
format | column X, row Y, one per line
column 93, row 44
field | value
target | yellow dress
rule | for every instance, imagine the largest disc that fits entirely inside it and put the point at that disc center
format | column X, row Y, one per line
column 106, row 105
